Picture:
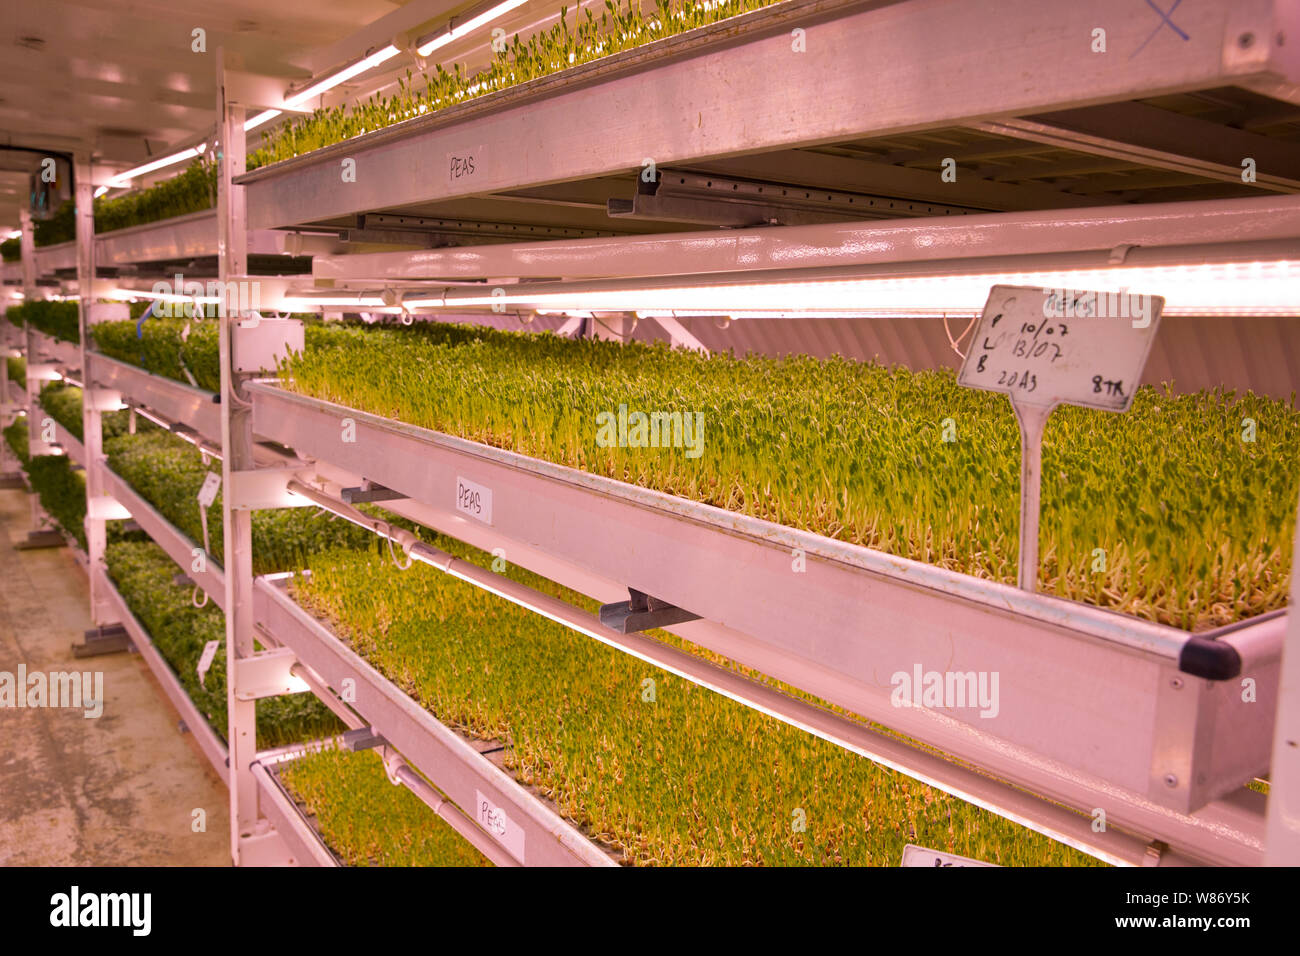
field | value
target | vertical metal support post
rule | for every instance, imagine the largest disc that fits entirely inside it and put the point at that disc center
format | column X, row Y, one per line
column 90, row 415
column 1032, row 419
column 34, row 445
column 1282, row 836
column 237, row 443
column 27, row 247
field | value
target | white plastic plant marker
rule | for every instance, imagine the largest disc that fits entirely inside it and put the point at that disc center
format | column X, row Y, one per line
column 494, row 820
column 474, row 500
column 920, row 856
column 1043, row 347
column 205, row 660
column 208, row 493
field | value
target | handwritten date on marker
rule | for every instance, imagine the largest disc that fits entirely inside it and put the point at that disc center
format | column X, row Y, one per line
column 1047, row 346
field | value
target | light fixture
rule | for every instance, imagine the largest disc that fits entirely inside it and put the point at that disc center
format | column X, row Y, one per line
column 1235, row 288
column 124, row 179
column 100, row 191
column 473, row 23
column 163, row 296
column 263, row 117
column 342, row 76
column 16, row 234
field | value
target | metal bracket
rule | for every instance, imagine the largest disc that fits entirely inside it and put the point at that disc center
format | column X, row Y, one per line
column 363, row 738
column 642, row 613
column 268, row 674
column 41, row 539
column 260, row 489
column 370, row 491
column 107, row 639
column 106, row 508
column 1155, row 850
column 705, row 199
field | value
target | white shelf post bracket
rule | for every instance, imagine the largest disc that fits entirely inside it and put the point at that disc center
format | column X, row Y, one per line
column 237, row 445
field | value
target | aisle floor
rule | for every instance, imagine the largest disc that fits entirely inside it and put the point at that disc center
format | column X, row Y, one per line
column 119, row 789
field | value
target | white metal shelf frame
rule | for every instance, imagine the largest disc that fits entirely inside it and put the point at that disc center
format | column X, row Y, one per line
column 1257, row 70
column 808, row 630
column 269, row 826
column 739, row 89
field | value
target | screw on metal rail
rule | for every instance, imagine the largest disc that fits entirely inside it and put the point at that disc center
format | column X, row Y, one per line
column 1245, row 40
column 1176, row 683
column 1171, row 780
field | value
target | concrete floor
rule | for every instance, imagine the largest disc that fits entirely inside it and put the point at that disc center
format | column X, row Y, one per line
column 118, row 790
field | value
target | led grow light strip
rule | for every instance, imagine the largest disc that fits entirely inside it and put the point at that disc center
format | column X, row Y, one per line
column 263, row 117
column 342, row 76
column 163, row 296
column 124, row 179
column 455, row 32
column 1271, row 288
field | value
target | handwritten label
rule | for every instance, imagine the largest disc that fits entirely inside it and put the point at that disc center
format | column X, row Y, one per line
column 494, row 820
column 208, row 493
column 1046, row 346
column 463, row 163
column 474, row 500
column 920, row 856
column 206, row 658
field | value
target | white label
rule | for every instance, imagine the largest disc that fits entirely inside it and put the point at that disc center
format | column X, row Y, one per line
column 494, row 820
column 205, row 659
column 1045, row 346
column 208, row 493
column 474, row 500
column 920, row 856
column 463, row 163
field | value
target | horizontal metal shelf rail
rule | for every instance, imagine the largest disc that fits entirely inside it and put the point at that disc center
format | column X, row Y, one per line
column 212, row 746
column 70, row 443
column 1048, row 818
column 139, row 386
column 736, row 85
column 1091, row 235
column 535, row 833
column 46, row 348
column 304, row 843
column 1092, row 701
column 172, row 400
column 179, row 239
column 167, row 536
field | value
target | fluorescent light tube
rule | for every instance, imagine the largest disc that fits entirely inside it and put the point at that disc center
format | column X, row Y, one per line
column 345, row 74
column 263, row 117
column 124, row 179
column 1255, row 288
column 469, row 26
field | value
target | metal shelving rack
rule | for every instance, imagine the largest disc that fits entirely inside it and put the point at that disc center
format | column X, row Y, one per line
column 1104, row 710
column 274, row 830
